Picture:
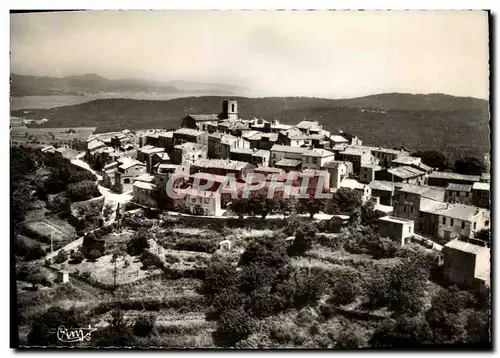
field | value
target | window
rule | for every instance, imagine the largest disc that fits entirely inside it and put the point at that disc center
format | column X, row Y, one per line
column 404, row 208
column 406, row 196
column 466, row 194
column 463, row 224
column 232, row 108
column 451, row 222
column 474, row 226
column 126, row 181
column 486, row 223
column 206, row 201
column 421, row 215
column 411, row 209
column 444, row 221
column 409, row 229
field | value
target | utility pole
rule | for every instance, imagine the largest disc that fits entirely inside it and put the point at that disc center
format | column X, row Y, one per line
column 114, row 276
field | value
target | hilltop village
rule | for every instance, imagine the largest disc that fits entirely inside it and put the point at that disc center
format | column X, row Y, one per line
column 419, row 203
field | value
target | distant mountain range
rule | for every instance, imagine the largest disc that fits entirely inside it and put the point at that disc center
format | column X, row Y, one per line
column 456, row 126
column 91, row 84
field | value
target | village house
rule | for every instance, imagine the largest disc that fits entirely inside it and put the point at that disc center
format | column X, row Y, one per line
column 337, row 140
column 384, row 190
column 222, row 167
column 94, row 144
column 353, row 184
column 259, row 140
column 312, row 179
column 184, row 135
column 316, row 158
column 466, row 263
column 358, row 157
column 445, row 178
column 386, row 155
column 241, row 154
column 187, row 153
column 104, row 155
column 202, row 202
column 108, row 174
column 404, row 174
column 397, row 229
column 161, row 139
column 481, row 195
column 269, row 172
column 459, row 193
column 233, row 127
column 447, row 221
column 124, row 139
column 159, row 158
column 143, row 187
column 309, row 127
column 127, row 169
column 200, row 122
column 145, row 155
column 261, row 157
column 408, row 200
column 368, row 172
column 280, row 152
column 353, row 139
column 414, row 162
column 293, row 137
column 220, row 145
column 338, row 171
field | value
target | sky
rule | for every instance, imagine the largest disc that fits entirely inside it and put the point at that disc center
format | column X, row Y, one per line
column 334, row 54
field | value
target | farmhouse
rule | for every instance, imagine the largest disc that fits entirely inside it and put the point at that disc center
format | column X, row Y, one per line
column 481, row 195
column 397, row 229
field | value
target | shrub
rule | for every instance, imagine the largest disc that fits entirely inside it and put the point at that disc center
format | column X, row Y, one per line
column 61, row 257
column 84, row 190
column 77, row 257
column 144, row 325
column 172, row 259
column 198, row 245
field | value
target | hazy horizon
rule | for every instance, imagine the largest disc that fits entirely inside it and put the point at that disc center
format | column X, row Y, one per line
column 331, row 54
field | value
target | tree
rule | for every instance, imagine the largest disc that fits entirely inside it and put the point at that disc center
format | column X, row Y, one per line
column 484, row 235
column 470, row 165
column 31, row 274
column 288, row 206
column 219, row 274
column 198, row 210
column 312, row 206
column 77, row 257
column 346, row 201
column 139, row 242
column 304, row 237
column 432, row 158
column 369, row 215
column 240, row 207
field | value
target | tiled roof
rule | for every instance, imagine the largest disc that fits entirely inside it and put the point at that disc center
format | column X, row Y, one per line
column 450, row 175
column 318, row 152
column 126, row 163
column 294, row 134
column 204, row 117
column 221, row 163
column 163, row 156
column 458, row 187
column 332, row 164
column 381, row 185
column 354, row 151
column 405, row 172
column 481, row 186
column 389, row 151
column 456, row 211
column 395, row 220
column 145, row 178
column 288, row 163
column 151, row 150
column 288, row 149
column 188, row 131
column 262, row 153
column 95, row 143
column 407, row 160
column 242, row 151
column 308, row 125
column 467, row 247
column 338, row 139
column 351, row 184
column 144, row 185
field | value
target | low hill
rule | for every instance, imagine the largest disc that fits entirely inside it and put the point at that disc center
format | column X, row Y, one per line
column 453, row 126
column 90, row 83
